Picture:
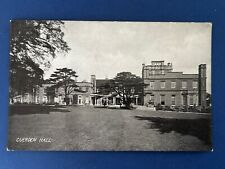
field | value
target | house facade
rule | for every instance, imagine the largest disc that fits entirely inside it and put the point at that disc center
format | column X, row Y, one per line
column 165, row 87
column 79, row 95
column 161, row 86
column 25, row 98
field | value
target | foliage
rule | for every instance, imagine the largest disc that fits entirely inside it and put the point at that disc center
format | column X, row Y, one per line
column 127, row 85
column 24, row 77
column 33, row 45
column 64, row 78
column 38, row 41
column 106, row 87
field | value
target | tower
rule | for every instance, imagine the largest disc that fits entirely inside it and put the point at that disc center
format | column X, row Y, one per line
column 202, row 86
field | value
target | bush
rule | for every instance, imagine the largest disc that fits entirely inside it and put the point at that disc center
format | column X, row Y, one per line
column 158, row 107
column 167, row 108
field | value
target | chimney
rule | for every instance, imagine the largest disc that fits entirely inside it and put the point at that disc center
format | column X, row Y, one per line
column 143, row 66
column 202, row 86
column 93, row 81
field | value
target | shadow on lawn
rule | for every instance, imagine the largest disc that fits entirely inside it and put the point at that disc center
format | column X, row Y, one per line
column 200, row 128
column 23, row 109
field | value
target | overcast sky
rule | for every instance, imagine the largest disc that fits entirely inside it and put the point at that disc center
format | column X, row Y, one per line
column 106, row 48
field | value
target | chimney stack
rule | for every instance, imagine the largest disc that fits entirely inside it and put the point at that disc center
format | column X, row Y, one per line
column 202, row 86
column 93, row 81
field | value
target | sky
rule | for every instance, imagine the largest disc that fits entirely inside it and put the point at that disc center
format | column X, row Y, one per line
column 107, row 48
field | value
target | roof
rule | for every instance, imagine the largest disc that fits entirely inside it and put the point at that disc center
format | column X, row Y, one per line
column 47, row 84
column 83, row 84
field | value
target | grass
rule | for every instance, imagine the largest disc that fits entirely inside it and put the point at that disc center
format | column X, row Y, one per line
column 200, row 128
column 85, row 128
column 34, row 109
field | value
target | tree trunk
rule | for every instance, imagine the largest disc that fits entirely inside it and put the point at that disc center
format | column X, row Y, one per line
column 66, row 96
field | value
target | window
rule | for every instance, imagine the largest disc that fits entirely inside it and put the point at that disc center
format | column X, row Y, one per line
column 173, row 85
column 191, row 100
column 152, row 98
column 195, row 100
column 153, row 72
column 132, row 90
column 162, row 99
column 184, row 85
column 152, row 84
column 163, row 84
column 194, row 84
column 163, row 72
column 173, row 100
column 183, row 100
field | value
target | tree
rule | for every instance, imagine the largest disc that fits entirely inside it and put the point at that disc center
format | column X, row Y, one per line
column 24, row 78
column 33, row 45
column 126, row 85
column 65, row 78
column 38, row 41
column 105, row 86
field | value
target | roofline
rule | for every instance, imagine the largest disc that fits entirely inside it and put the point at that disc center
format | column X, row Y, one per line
column 82, row 82
column 104, row 79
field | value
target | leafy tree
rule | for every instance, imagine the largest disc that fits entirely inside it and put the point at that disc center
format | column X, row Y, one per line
column 38, row 41
column 33, row 45
column 106, row 86
column 126, row 85
column 24, row 78
column 65, row 78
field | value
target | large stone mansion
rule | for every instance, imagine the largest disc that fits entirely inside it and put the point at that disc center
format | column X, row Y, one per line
column 169, row 88
column 162, row 86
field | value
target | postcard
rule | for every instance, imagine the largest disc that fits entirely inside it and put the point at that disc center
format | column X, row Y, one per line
column 110, row 86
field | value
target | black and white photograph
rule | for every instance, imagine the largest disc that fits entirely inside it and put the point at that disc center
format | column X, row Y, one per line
column 110, row 86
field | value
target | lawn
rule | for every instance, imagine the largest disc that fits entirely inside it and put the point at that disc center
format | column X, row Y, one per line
column 88, row 128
